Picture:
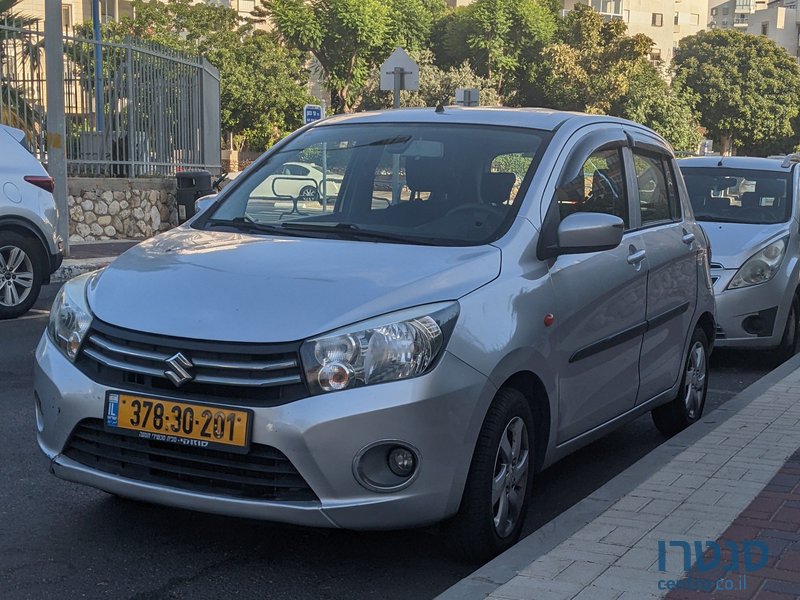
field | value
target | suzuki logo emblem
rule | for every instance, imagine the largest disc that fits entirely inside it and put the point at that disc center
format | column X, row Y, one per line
column 179, row 373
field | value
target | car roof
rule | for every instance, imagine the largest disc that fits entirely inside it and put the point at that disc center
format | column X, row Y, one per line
column 17, row 134
column 735, row 162
column 532, row 118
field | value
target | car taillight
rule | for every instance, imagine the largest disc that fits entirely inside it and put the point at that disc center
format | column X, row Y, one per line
column 41, row 181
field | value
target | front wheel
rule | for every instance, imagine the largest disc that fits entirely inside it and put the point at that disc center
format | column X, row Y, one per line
column 498, row 488
column 687, row 407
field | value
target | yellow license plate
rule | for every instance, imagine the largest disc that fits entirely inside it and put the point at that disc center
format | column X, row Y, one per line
column 184, row 423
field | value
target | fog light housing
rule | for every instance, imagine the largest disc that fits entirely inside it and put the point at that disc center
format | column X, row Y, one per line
column 387, row 465
column 401, row 461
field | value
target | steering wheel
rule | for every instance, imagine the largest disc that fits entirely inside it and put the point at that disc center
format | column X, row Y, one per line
column 477, row 207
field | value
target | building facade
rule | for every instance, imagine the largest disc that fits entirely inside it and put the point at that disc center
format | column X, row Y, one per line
column 733, row 14
column 666, row 22
column 780, row 22
column 75, row 12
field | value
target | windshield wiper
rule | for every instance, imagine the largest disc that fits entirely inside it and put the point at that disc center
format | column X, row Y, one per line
column 248, row 225
column 713, row 219
column 353, row 231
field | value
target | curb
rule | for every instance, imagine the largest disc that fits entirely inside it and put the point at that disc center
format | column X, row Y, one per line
column 73, row 267
column 505, row 567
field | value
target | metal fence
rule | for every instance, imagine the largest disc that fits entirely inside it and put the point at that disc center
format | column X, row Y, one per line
column 132, row 109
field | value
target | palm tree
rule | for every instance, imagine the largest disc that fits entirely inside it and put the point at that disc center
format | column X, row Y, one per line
column 26, row 51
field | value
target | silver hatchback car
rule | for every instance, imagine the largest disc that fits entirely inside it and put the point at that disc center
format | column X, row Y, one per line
column 485, row 291
column 748, row 208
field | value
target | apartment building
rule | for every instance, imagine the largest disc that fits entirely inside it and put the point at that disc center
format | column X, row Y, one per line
column 733, row 14
column 74, row 12
column 780, row 22
column 666, row 22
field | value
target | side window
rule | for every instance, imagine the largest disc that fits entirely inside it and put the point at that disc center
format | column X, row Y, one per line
column 506, row 173
column 658, row 195
column 673, row 197
column 598, row 187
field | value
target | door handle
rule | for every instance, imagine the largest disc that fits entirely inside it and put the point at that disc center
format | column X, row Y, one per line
column 636, row 257
column 688, row 238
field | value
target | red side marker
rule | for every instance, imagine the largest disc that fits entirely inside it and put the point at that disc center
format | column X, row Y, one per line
column 549, row 318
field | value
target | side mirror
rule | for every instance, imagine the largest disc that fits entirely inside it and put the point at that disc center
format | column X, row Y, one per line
column 589, row 232
column 204, row 203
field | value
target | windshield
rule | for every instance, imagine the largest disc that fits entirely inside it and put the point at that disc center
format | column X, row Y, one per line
column 739, row 195
column 404, row 183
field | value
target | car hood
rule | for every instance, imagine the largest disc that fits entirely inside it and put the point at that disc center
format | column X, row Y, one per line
column 236, row 287
column 733, row 243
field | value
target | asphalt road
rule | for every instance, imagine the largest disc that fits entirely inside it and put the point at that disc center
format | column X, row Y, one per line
column 61, row 540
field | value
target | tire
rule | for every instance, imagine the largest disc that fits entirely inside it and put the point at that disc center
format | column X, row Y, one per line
column 479, row 532
column 21, row 274
column 308, row 194
column 687, row 407
column 788, row 346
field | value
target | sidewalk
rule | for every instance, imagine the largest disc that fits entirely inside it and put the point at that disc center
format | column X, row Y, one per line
column 727, row 488
column 89, row 256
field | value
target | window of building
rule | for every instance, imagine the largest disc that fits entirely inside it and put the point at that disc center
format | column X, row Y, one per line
column 676, row 19
column 713, row 12
column 655, row 56
column 694, row 19
column 765, row 28
column 66, row 16
column 657, row 20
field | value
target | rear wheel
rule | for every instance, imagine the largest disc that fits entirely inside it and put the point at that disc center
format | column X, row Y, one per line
column 687, row 407
column 498, row 488
column 788, row 347
column 308, row 194
column 21, row 274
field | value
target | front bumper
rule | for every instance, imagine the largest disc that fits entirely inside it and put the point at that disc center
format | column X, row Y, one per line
column 440, row 414
column 751, row 317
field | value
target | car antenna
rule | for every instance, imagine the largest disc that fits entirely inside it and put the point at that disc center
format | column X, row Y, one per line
column 721, row 158
column 439, row 108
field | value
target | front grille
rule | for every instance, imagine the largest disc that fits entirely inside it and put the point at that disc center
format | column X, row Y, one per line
column 263, row 474
column 250, row 374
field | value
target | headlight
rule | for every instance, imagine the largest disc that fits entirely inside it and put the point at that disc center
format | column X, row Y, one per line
column 761, row 267
column 70, row 316
column 398, row 346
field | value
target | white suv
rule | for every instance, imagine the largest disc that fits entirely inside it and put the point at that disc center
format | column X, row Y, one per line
column 30, row 248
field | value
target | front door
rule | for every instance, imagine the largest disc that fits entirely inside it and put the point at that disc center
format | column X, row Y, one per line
column 601, row 304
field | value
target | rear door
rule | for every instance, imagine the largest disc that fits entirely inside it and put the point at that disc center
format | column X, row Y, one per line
column 601, row 295
column 672, row 254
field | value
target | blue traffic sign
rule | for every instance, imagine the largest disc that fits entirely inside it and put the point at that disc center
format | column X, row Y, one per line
column 311, row 113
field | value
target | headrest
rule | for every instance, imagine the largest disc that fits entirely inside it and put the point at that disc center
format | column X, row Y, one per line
column 770, row 188
column 496, row 187
column 750, row 200
column 717, row 203
column 425, row 174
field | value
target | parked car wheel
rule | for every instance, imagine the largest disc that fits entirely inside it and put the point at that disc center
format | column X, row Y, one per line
column 687, row 407
column 498, row 488
column 21, row 274
column 308, row 193
column 788, row 347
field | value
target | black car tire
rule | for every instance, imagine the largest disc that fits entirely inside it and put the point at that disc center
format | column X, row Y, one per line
column 34, row 260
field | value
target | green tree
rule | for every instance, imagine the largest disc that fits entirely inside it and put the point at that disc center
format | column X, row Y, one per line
column 262, row 82
column 589, row 65
column 651, row 101
column 350, row 38
column 746, row 88
column 436, row 86
column 498, row 37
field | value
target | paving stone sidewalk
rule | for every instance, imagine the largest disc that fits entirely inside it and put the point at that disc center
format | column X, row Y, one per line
column 737, row 480
column 90, row 256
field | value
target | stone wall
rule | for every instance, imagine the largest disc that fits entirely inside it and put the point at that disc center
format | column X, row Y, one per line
column 107, row 209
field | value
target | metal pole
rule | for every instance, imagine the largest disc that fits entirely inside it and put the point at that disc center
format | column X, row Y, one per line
column 399, row 80
column 98, row 63
column 56, row 119
column 130, row 129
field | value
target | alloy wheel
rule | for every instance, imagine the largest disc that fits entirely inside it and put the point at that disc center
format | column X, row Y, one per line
column 510, row 481
column 696, row 371
column 16, row 276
